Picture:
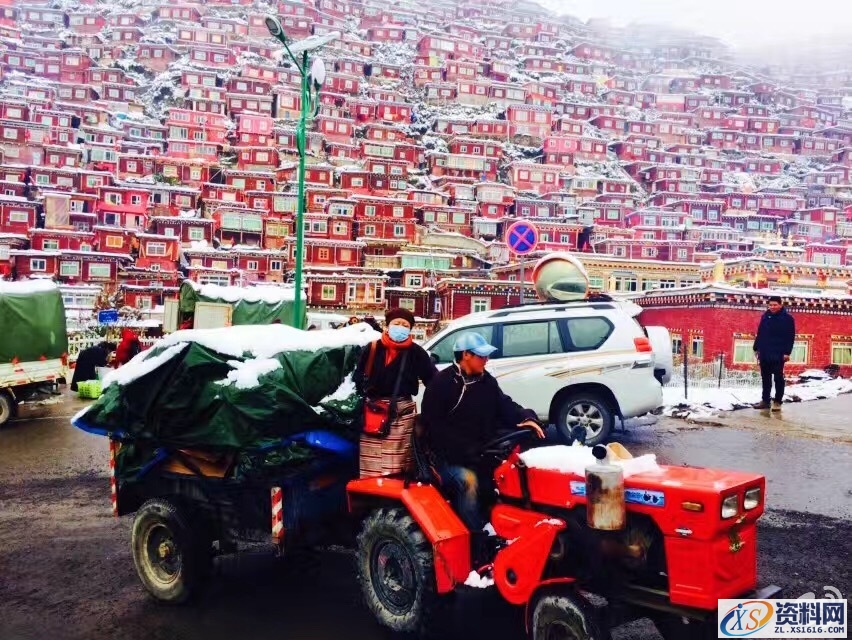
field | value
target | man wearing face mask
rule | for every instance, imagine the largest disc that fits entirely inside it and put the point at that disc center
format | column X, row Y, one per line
column 393, row 363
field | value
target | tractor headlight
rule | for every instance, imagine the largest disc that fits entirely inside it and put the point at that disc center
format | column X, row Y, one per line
column 729, row 507
column 752, row 499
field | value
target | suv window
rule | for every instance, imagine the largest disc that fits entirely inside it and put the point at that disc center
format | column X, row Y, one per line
column 443, row 349
column 587, row 334
column 531, row 339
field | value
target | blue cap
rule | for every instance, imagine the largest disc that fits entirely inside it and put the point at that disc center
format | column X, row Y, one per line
column 475, row 343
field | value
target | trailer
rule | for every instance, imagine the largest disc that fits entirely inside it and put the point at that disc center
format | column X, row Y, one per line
column 33, row 342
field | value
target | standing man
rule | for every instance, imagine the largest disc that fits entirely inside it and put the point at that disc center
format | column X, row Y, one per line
column 773, row 345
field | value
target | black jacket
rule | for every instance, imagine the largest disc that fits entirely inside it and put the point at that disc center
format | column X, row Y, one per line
column 418, row 367
column 88, row 360
column 776, row 334
column 456, row 435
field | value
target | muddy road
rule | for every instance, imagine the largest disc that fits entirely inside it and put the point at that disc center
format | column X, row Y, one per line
column 66, row 570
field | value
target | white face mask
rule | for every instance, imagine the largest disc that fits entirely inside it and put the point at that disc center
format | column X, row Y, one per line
column 398, row 333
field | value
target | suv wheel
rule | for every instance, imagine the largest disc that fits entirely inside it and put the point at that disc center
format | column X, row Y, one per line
column 589, row 411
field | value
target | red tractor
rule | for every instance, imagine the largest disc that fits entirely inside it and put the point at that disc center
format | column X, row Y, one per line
column 665, row 544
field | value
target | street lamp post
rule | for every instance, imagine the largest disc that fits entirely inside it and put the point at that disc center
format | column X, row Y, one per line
column 312, row 81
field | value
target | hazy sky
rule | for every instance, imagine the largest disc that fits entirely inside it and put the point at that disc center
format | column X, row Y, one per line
column 741, row 23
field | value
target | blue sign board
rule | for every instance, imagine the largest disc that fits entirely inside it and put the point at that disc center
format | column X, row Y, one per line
column 108, row 316
column 522, row 237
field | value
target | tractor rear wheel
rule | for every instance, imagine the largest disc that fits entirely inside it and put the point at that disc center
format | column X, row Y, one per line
column 171, row 553
column 396, row 571
column 565, row 616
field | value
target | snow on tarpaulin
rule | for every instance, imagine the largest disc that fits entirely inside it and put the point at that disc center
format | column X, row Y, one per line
column 238, row 388
column 574, row 459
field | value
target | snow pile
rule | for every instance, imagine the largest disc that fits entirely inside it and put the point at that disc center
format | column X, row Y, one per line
column 24, row 287
column 706, row 403
column 246, row 375
column 267, row 294
column 574, row 459
column 264, row 341
column 478, row 581
column 144, row 363
column 343, row 392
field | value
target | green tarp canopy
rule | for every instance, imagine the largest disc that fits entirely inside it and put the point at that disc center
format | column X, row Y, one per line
column 192, row 390
column 252, row 305
column 32, row 321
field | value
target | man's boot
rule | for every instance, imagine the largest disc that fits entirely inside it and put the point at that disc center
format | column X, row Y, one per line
column 776, row 406
column 761, row 405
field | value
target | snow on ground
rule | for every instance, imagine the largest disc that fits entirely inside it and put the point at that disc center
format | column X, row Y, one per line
column 478, row 581
column 708, row 402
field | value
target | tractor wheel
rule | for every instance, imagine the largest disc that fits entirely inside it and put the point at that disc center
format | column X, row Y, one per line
column 673, row 627
column 396, row 571
column 587, row 410
column 565, row 616
column 170, row 552
column 7, row 408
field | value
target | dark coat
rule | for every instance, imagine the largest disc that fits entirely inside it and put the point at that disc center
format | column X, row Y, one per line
column 776, row 334
column 456, row 427
column 418, row 367
column 87, row 363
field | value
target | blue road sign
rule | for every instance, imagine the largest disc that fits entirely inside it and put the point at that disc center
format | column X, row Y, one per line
column 522, row 237
column 108, row 316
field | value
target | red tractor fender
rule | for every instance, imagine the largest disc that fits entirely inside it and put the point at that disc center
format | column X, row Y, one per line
column 448, row 535
column 519, row 566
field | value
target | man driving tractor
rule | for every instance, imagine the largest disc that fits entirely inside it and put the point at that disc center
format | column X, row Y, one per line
column 463, row 408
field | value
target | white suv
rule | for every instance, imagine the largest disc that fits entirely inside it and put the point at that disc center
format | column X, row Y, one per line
column 574, row 363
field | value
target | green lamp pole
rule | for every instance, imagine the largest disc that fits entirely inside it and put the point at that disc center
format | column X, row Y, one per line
column 312, row 80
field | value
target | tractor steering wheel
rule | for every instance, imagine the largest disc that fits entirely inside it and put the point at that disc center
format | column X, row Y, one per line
column 503, row 444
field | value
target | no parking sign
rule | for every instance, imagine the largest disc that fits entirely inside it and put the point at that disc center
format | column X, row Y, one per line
column 522, row 237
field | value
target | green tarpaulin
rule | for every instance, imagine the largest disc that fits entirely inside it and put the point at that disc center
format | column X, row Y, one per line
column 32, row 322
column 191, row 395
column 251, row 305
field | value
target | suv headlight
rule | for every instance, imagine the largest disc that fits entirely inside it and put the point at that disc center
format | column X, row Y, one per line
column 752, row 499
column 729, row 507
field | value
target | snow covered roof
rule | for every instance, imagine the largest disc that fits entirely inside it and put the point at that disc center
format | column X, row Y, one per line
column 268, row 294
column 23, row 287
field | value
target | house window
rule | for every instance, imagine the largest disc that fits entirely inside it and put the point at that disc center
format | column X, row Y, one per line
column 406, row 303
column 340, row 228
column 19, row 216
column 50, row 245
column 100, row 271
column 682, row 254
column 744, row 352
column 415, row 281
column 370, row 230
column 697, row 347
column 38, row 264
column 478, row 305
column 252, row 265
column 799, row 355
column 275, row 265
column 370, row 210
column 841, row 353
column 156, row 248
column 399, row 230
column 195, row 234
column 329, row 292
column 113, row 198
column 323, row 254
column 69, row 269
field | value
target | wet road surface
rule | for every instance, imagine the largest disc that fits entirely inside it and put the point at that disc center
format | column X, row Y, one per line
column 66, row 570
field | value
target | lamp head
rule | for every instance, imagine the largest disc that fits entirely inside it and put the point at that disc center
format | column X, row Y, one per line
column 274, row 26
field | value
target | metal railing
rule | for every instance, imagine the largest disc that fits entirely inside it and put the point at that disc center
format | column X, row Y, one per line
column 698, row 373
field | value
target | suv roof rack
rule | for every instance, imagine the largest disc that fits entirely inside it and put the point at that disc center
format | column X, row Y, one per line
column 605, row 303
column 595, row 297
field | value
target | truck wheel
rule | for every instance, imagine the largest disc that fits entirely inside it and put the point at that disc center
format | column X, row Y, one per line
column 587, row 410
column 396, row 570
column 170, row 555
column 7, row 408
column 564, row 616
